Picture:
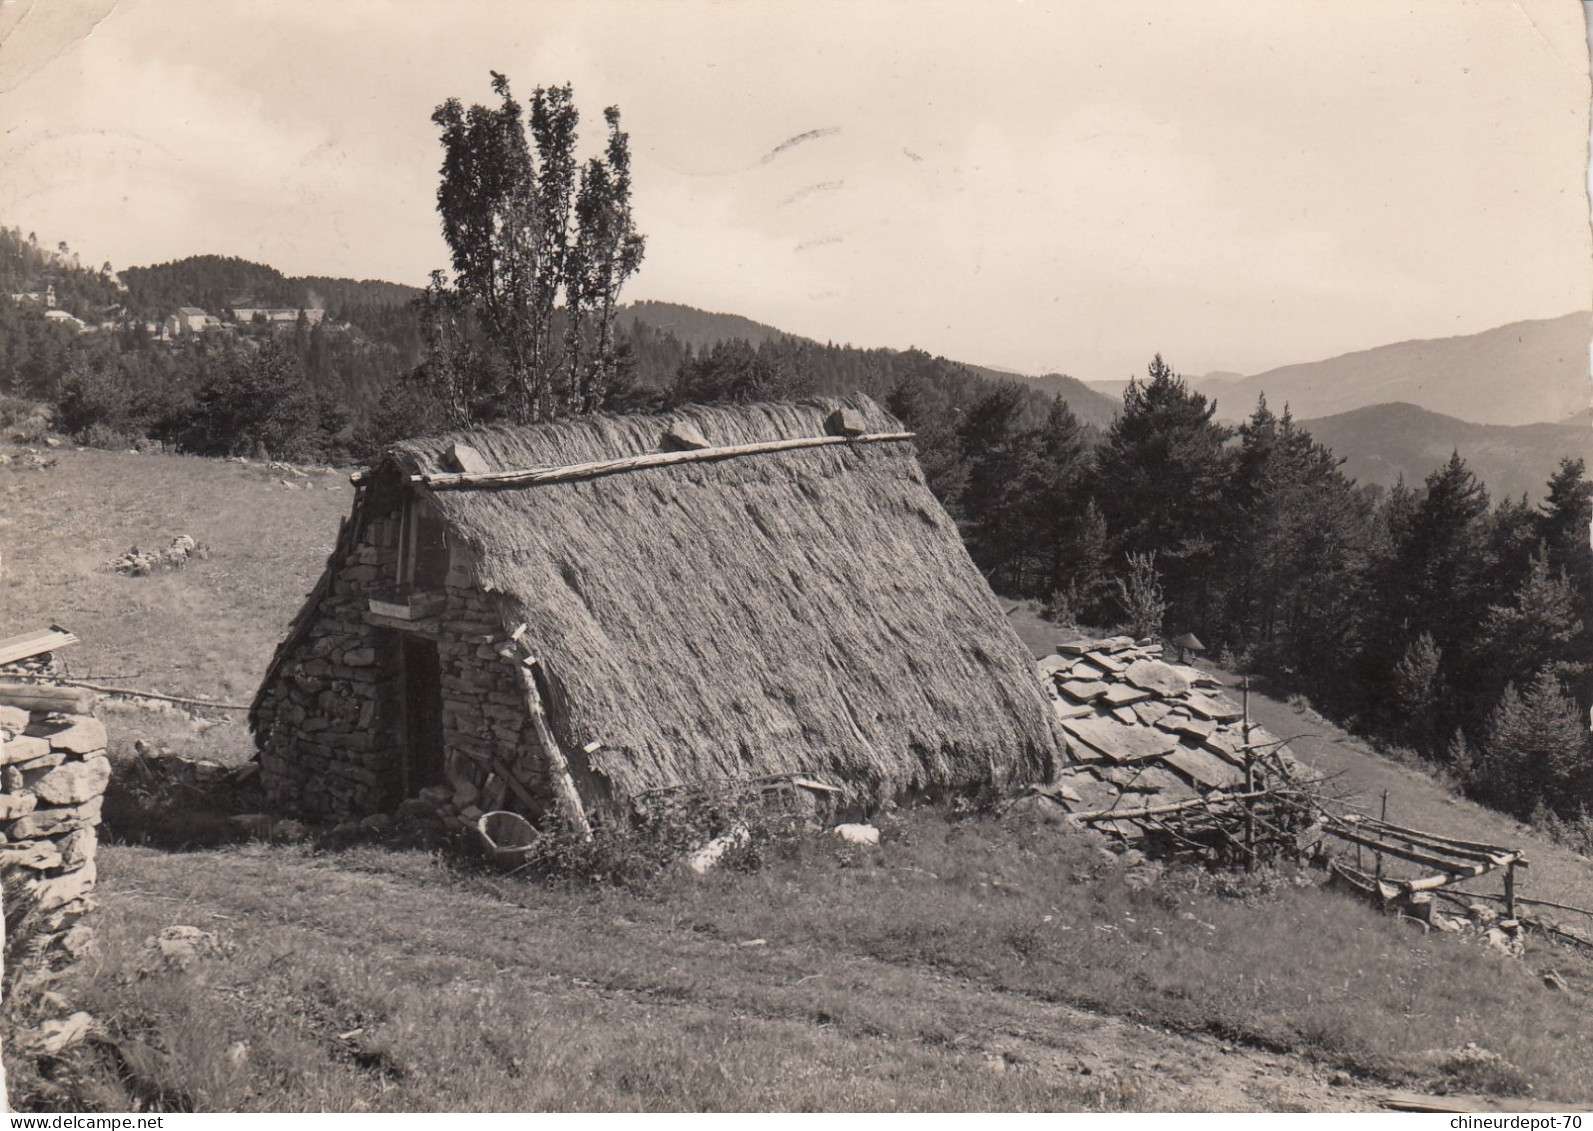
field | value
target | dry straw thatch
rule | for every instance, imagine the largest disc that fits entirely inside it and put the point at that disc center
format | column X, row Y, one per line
column 810, row 611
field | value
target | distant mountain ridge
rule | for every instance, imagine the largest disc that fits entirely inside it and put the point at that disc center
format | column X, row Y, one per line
column 699, row 328
column 1381, row 443
column 1523, row 373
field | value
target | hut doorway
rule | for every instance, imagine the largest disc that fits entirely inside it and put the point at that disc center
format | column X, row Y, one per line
column 420, row 685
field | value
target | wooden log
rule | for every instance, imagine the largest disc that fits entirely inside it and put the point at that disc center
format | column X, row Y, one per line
column 533, row 476
column 1446, row 864
column 565, row 796
column 137, row 694
column 46, row 697
column 1421, row 835
column 1163, row 810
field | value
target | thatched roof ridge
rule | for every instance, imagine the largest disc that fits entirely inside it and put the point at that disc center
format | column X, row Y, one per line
column 509, row 447
column 809, row 611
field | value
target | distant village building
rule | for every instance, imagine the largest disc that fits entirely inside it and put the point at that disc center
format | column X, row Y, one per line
column 61, row 317
column 570, row 616
column 187, row 320
column 277, row 315
column 44, row 298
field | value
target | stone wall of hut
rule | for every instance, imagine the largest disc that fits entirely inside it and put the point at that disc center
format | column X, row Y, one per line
column 330, row 725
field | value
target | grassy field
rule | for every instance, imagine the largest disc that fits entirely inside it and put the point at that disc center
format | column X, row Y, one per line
column 970, row 962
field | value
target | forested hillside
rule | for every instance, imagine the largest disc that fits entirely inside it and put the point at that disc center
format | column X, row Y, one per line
column 1385, row 443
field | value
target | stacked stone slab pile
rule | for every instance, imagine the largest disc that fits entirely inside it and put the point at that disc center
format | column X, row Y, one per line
column 1143, row 733
column 54, row 772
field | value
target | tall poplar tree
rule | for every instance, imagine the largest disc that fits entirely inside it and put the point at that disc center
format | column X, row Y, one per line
column 540, row 246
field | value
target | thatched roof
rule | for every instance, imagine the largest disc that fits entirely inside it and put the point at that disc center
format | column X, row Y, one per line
column 809, row 611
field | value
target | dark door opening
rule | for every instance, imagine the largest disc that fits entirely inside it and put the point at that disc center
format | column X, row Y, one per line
column 421, row 687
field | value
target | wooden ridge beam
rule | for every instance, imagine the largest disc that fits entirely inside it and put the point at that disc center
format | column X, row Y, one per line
column 535, row 476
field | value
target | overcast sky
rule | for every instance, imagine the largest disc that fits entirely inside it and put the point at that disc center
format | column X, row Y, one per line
column 1064, row 186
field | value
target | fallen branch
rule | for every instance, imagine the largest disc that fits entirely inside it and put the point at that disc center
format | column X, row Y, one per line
column 135, row 693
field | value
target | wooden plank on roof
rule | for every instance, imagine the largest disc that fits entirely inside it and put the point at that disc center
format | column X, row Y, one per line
column 28, row 644
column 536, row 476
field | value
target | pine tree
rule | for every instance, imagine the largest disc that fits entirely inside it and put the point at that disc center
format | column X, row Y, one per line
column 1537, row 752
column 1160, row 478
column 1418, row 694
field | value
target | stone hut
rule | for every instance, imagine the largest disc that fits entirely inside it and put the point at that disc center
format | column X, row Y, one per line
column 568, row 615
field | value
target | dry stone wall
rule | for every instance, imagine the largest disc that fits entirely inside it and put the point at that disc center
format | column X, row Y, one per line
column 328, row 726
column 493, row 758
column 54, row 771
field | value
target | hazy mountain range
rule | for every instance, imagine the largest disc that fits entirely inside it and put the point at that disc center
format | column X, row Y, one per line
column 1523, row 373
column 1512, row 400
column 1380, row 443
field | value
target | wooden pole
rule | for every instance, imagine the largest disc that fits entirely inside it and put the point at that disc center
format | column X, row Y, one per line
column 1250, row 786
column 1510, row 890
column 531, row 476
column 565, row 795
column 1384, row 818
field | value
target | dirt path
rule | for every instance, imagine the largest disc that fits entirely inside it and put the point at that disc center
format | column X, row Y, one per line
column 640, row 962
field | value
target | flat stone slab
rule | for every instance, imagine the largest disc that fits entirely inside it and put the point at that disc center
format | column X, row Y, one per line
column 1204, row 769
column 1195, row 676
column 1071, row 710
column 23, row 749
column 1151, row 712
column 1083, row 669
column 1084, row 690
column 1117, row 742
column 1153, row 675
column 1052, row 665
column 1218, row 707
column 1121, row 695
column 1106, row 663
column 83, row 736
column 1182, row 724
